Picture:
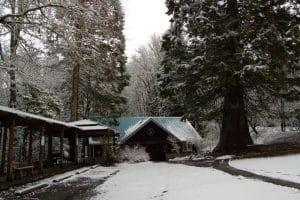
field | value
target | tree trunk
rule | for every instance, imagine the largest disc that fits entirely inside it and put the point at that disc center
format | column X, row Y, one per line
column 235, row 133
column 282, row 115
column 14, row 37
column 87, row 101
column 75, row 93
column 76, row 69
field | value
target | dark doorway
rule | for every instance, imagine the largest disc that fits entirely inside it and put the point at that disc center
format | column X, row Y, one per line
column 156, row 152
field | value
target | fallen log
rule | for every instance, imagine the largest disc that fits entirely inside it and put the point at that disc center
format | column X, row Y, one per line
column 30, row 189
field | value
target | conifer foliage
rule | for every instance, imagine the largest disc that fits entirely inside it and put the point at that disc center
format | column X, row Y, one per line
column 225, row 58
column 70, row 52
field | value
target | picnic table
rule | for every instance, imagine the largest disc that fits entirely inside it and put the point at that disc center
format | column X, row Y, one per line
column 25, row 171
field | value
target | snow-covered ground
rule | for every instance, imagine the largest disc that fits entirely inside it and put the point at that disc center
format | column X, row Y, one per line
column 97, row 173
column 166, row 181
column 283, row 167
column 269, row 135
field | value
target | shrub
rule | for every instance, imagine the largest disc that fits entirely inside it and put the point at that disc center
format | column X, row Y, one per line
column 211, row 137
column 133, row 154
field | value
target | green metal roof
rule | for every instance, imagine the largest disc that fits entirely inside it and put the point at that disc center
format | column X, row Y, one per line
column 182, row 130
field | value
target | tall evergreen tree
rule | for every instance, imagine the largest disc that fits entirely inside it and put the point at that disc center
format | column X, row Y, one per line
column 98, row 75
column 227, row 57
column 105, row 78
column 91, row 51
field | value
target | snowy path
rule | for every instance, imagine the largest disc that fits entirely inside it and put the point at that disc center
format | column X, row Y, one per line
column 282, row 167
column 159, row 181
column 164, row 181
column 77, row 187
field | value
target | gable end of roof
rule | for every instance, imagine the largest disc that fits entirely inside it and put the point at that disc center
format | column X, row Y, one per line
column 143, row 124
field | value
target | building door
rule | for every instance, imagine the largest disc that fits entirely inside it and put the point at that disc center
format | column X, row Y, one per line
column 156, row 152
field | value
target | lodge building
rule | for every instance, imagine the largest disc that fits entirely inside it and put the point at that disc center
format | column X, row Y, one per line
column 162, row 137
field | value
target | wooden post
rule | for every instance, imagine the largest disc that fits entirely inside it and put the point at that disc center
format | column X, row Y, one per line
column 93, row 152
column 76, row 148
column 86, row 142
column 50, row 158
column 30, row 147
column 1, row 133
column 42, row 149
column 3, row 151
column 72, row 151
column 25, row 139
column 12, row 125
column 62, row 147
column 114, row 138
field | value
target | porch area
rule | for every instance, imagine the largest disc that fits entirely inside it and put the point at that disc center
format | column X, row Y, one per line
column 34, row 147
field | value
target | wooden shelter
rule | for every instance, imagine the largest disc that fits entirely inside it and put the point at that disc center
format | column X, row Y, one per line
column 95, row 132
column 162, row 137
column 11, row 118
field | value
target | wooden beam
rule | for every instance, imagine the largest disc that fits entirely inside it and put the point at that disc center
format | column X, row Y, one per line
column 3, row 159
column 62, row 147
column 12, row 125
column 42, row 148
column 30, row 147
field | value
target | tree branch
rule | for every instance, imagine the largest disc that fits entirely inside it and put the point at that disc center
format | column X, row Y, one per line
column 4, row 17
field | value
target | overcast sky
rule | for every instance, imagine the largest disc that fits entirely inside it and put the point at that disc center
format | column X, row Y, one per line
column 142, row 19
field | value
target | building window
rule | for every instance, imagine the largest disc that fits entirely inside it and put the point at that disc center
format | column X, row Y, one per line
column 187, row 147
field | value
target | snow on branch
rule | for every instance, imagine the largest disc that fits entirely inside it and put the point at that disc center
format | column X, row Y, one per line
column 4, row 17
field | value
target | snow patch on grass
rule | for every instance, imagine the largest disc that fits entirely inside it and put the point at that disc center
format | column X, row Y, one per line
column 225, row 157
column 95, row 174
column 181, row 158
column 190, row 157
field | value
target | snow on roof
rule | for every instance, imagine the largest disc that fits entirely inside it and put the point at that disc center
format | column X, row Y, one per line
column 88, row 125
column 183, row 130
column 32, row 116
column 135, row 127
column 128, row 126
column 84, row 122
column 93, row 128
column 83, row 125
